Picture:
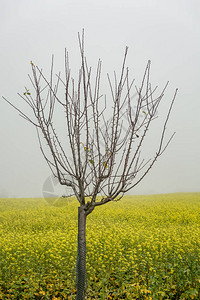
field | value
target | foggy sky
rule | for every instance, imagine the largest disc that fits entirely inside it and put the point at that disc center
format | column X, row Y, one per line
column 166, row 32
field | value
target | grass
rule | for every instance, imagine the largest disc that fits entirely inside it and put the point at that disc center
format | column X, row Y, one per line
column 142, row 247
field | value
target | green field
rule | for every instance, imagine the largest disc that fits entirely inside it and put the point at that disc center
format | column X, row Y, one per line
column 142, row 247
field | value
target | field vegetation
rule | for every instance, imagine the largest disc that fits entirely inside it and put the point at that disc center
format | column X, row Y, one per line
column 142, row 247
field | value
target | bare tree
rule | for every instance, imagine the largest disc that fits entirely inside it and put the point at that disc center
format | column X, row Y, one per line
column 100, row 157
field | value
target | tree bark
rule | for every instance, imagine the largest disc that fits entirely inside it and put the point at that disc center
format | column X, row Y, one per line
column 81, row 276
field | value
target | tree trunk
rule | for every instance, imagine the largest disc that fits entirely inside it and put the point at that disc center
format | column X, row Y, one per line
column 81, row 276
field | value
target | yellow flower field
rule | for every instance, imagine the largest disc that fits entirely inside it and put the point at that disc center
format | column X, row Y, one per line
column 142, row 247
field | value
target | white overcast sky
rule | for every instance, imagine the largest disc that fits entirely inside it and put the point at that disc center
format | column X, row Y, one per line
column 165, row 31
